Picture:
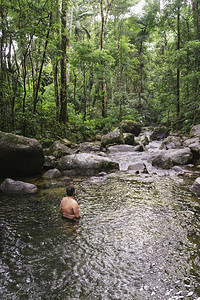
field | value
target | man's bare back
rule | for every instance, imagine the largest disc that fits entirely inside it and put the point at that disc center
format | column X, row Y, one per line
column 69, row 207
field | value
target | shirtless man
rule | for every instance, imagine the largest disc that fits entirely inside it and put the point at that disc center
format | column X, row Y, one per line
column 68, row 206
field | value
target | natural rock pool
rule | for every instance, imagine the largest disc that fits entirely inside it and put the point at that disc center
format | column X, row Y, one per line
column 138, row 239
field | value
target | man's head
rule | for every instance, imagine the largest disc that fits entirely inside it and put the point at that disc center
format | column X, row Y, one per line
column 70, row 191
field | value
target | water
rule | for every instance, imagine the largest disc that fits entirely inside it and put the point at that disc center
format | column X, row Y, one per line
column 138, row 239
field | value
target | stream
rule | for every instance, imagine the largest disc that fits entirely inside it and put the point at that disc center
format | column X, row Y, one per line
column 138, row 239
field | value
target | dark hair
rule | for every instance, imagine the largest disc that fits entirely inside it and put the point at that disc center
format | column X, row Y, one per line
column 70, row 190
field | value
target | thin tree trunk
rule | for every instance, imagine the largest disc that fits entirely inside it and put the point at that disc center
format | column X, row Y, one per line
column 42, row 64
column 63, row 64
column 178, row 70
column 103, row 87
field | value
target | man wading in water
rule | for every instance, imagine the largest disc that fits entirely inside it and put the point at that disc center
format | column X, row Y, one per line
column 68, row 206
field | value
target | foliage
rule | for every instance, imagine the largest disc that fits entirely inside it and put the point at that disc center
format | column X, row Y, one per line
column 147, row 68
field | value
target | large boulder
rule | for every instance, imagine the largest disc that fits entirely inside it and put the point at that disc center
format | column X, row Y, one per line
column 195, row 188
column 10, row 186
column 114, row 137
column 19, row 156
column 159, row 133
column 86, row 164
column 171, row 142
column 195, row 131
column 193, row 144
column 167, row 159
column 130, row 126
column 58, row 149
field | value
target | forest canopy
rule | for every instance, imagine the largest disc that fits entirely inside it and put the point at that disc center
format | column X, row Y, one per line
column 76, row 68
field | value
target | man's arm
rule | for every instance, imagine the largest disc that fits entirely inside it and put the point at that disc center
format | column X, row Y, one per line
column 76, row 210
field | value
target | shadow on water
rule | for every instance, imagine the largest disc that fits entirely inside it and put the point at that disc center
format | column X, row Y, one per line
column 138, row 239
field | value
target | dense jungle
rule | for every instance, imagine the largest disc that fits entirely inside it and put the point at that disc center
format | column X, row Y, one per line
column 77, row 68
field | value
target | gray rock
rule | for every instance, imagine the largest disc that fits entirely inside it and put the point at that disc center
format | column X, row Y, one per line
column 120, row 148
column 86, row 164
column 195, row 130
column 138, row 167
column 10, row 186
column 20, row 156
column 180, row 156
column 90, row 147
column 159, row 133
column 193, row 144
column 195, row 188
column 171, row 142
column 58, row 150
column 53, row 173
column 163, row 161
column 167, row 159
column 130, row 126
column 114, row 137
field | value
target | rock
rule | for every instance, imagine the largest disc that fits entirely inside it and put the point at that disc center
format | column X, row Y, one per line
column 98, row 180
column 193, row 144
column 129, row 139
column 159, row 133
column 53, row 173
column 163, row 161
column 49, row 162
column 181, row 156
column 120, row 148
column 86, row 164
column 195, row 130
column 58, row 150
column 130, row 126
column 167, row 159
column 10, row 186
column 144, row 140
column 114, row 137
column 195, row 188
column 138, row 167
column 139, row 148
column 90, row 147
column 171, row 142
column 20, row 156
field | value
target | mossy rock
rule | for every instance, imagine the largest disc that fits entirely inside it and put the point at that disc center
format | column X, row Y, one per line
column 129, row 126
column 159, row 133
column 114, row 137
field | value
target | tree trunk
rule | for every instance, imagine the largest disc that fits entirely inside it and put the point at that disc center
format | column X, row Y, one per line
column 103, row 88
column 63, row 65
column 42, row 64
column 178, row 70
column 55, row 81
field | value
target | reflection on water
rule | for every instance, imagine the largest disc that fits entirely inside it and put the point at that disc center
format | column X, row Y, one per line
column 136, row 240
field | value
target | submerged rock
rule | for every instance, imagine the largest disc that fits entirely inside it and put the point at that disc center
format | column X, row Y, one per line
column 86, row 164
column 10, row 186
column 53, row 173
column 195, row 188
column 20, row 155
